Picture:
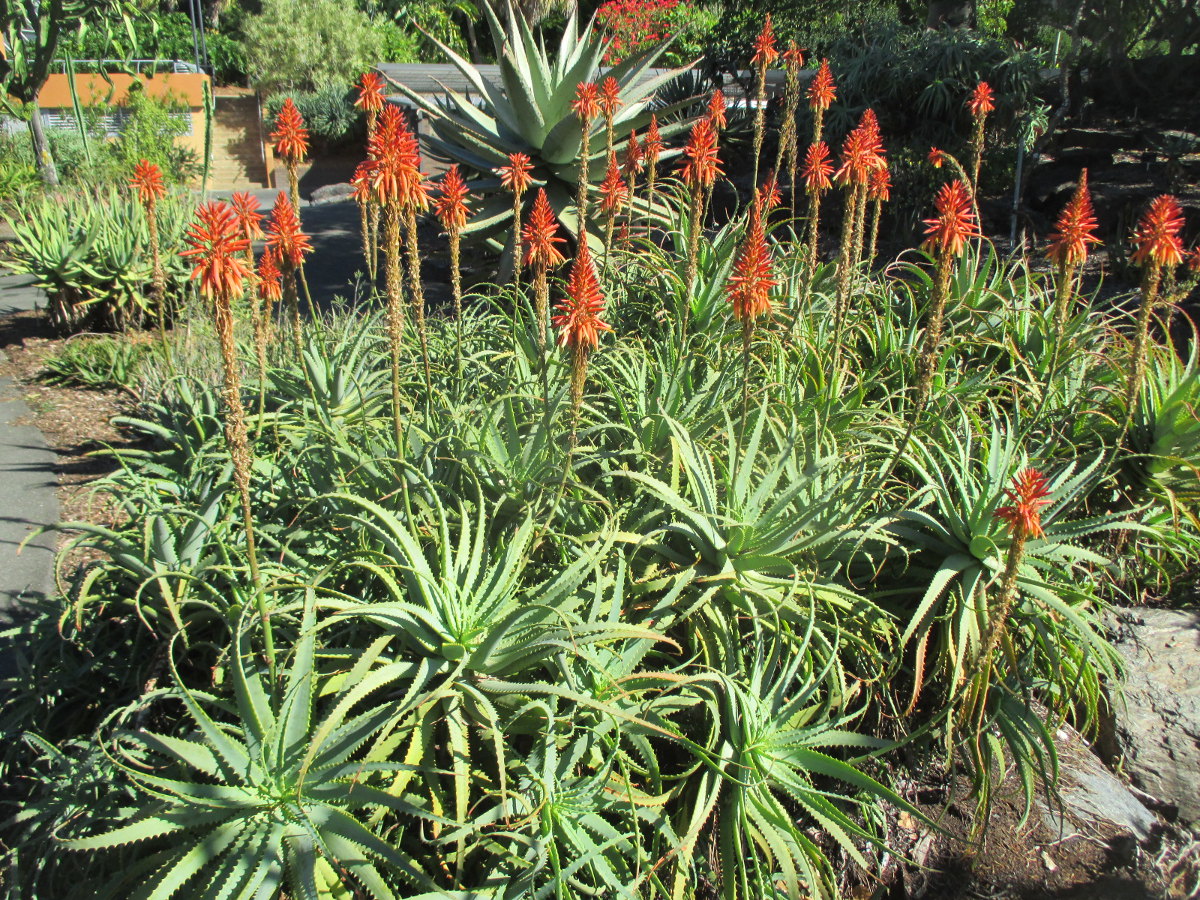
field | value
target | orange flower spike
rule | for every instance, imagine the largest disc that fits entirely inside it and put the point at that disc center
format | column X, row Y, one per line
column 540, row 234
column 370, row 92
column 862, row 152
column 1075, row 228
column 270, row 279
column 765, row 49
column 610, row 96
column 879, row 185
column 702, row 165
column 769, row 194
column 284, row 236
column 578, row 323
column 936, row 157
column 717, row 106
column 822, row 90
column 586, row 104
column 217, row 247
column 1029, row 493
column 652, row 147
column 515, row 176
column 360, row 181
column 451, row 206
column 635, row 156
column 1157, row 234
column 981, row 100
column 955, row 221
column 147, row 181
column 245, row 206
column 290, row 135
column 818, row 168
column 396, row 162
column 749, row 287
column 613, row 190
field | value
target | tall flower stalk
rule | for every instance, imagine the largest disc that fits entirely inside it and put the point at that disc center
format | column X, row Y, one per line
column 613, row 194
column 517, row 178
column 652, row 149
column 451, row 210
column 291, row 245
column 579, row 325
column 765, row 53
column 147, row 183
column 817, row 173
column 268, row 291
column 610, row 102
column 217, row 249
column 1068, row 249
column 789, row 146
column 822, row 91
column 631, row 167
column 1159, row 249
column 360, row 183
column 370, row 99
column 879, row 191
column 539, row 238
column 586, row 106
column 749, row 288
column 245, row 207
column 980, row 103
column 701, row 167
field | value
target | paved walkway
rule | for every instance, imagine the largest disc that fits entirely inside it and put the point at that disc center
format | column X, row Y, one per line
column 28, row 481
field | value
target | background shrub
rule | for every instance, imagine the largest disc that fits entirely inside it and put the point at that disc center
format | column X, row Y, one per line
column 301, row 46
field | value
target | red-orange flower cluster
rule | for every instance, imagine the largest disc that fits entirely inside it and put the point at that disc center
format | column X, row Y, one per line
column 635, row 159
column 147, row 181
column 765, row 49
column 1029, row 493
column 862, row 151
column 1075, row 228
column 396, row 175
column 716, row 109
column 586, row 104
column 290, row 135
column 451, row 205
column 540, row 234
column 653, row 145
column 516, row 175
column 270, row 279
column 610, row 96
column 749, row 287
column 817, row 170
column 955, row 221
column 702, row 165
column 1157, row 233
column 215, row 243
column 879, row 185
column 936, row 157
column 769, row 196
column 370, row 92
column 614, row 191
column 980, row 102
column 284, row 236
column 245, row 207
column 578, row 323
column 822, row 90
column 360, row 181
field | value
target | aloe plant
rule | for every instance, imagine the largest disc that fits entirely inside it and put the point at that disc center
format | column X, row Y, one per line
column 530, row 112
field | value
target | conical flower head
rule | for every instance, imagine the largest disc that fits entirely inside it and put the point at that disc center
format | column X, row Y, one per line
column 610, row 96
column 793, row 56
column 879, row 184
column 652, row 147
column 290, row 135
column 284, row 236
column 147, row 182
column 218, row 249
column 1075, row 229
column 955, row 221
column 717, row 106
column 245, row 206
column 586, row 104
column 578, row 322
column 396, row 175
column 516, row 175
column 769, row 197
column 451, row 206
column 701, row 165
column 822, row 90
column 362, row 179
column 936, row 157
column 370, row 92
column 981, row 100
column 817, row 170
column 765, row 49
column 862, row 151
column 749, row 287
column 1157, row 234
column 614, row 191
column 1028, row 494
column 540, row 234
column 635, row 159
column 270, row 279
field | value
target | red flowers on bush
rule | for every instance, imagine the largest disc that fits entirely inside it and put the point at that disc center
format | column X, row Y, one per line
column 516, row 176
column 245, row 207
column 822, row 90
column 396, row 162
column 981, row 101
column 634, row 25
column 586, row 104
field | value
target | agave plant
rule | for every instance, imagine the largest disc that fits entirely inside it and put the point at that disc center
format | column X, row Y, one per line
column 530, row 112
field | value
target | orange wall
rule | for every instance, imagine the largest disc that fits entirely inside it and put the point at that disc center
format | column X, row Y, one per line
column 95, row 90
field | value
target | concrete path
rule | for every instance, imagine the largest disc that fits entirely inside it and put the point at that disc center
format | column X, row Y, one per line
column 28, row 481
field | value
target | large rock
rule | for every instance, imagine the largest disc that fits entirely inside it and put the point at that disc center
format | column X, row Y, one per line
column 1157, row 730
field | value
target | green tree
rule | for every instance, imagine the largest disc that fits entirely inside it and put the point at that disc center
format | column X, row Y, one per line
column 32, row 32
column 299, row 45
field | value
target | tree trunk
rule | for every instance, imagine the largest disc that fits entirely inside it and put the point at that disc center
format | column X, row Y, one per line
column 41, row 149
